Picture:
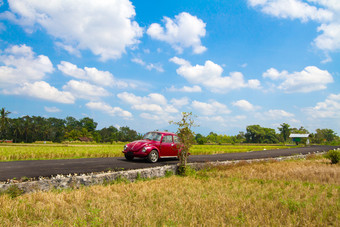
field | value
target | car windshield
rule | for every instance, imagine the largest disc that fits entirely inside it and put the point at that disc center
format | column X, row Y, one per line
column 153, row 136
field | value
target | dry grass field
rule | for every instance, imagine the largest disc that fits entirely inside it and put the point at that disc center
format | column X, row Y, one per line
column 290, row 193
column 15, row 152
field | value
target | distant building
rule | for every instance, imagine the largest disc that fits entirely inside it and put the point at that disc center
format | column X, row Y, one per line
column 85, row 139
column 298, row 137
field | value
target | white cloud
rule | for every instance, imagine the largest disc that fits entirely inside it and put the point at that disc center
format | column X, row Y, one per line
column 182, row 32
column 85, row 90
column 150, row 66
column 42, row 90
column 98, row 77
column 329, row 40
column 310, row 79
column 192, row 89
column 278, row 114
column 274, row 74
column 180, row 102
column 22, row 73
column 113, row 111
column 103, row 78
column 157, row 67
column 138, row 61
column 209, row 109
column 210, row 76
column 72, row 70
column 330, row 108
column 106, row 28
column 292, row 9
column 245, row 105
column 52, row 109
column 324, row 12
column 21, row 65
column 69, row 48
column 154, row 102
column 180, row 61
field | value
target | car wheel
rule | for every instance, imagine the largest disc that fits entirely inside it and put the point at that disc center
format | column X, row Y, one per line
column 128, row 157
column 153, row 156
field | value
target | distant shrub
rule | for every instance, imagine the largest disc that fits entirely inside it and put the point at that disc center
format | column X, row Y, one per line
column 333, row 155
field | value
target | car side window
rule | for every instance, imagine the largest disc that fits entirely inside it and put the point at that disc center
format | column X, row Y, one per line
column 167, row 139
column 176, row 139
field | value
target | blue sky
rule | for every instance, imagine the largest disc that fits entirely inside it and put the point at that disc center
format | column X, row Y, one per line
column 141, row 63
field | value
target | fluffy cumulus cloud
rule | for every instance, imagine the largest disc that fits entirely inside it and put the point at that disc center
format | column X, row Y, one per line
column 182, row 32
column 85, row 90
column 154, row 104
column 324, row 12
column 310, row 79
column 184, row 101
column 42, row 90
column 21, row 65
column 210, row 76
column 113, row 111
column 277, row 114
column 93, row 75
column 245, row 105
column 210, row 109
column 106, row 28
column 22, row 73
column 330, row 108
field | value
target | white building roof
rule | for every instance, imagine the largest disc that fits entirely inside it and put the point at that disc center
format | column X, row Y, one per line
column 298, row 135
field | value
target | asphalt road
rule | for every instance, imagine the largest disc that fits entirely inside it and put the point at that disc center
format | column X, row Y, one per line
column 47, row 168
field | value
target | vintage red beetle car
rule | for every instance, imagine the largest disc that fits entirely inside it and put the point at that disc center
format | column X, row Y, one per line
column 153, row 146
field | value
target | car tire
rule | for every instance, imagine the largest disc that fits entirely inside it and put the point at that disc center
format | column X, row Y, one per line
column 153, row 156
column 128, row 157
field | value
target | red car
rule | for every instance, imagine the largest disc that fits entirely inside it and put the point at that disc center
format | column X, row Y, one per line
column 154, row 145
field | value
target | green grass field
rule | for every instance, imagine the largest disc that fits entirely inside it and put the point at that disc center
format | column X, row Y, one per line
column 15, row 152
column 290, row 193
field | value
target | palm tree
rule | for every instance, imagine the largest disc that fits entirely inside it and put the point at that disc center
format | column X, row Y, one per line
column 4, row 121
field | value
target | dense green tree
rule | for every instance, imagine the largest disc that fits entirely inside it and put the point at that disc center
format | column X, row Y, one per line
column 200, row 139
column 258, row 134
column 240, row 138
column 109, row 134
column 126, row 134
column 212, row 137
column 4, row 120
column 324, row 135
column 285, row 131
column 301, row 130
column 88, row 123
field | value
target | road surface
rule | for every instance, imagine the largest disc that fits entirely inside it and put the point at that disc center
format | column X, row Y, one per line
column 47, row 168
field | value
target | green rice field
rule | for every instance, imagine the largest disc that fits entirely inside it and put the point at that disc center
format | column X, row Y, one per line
column 16, row 152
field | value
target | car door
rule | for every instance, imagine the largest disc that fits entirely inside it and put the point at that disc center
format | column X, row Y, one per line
column 168, row 146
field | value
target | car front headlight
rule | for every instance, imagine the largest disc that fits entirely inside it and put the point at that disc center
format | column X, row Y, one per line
column 144, row 149
column 125, row 147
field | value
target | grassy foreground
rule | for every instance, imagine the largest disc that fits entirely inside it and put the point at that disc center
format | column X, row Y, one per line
column 291, row 193
column 15, row 152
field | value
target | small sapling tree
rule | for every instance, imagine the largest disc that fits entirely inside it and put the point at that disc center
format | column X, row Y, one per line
column 187, row 137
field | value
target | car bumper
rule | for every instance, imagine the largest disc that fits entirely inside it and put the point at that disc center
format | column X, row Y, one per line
column 138, row 154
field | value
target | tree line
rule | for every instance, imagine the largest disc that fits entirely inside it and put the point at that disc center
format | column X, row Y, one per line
column 29, row 129
column 258, row 134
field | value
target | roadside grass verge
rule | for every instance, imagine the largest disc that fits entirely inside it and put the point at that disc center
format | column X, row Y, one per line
column 290, row 193
column 18, row 152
